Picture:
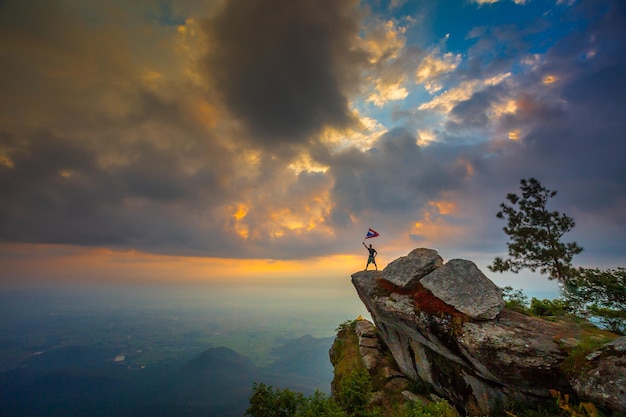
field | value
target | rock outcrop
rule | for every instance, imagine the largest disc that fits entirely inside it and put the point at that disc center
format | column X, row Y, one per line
column 445, row 325
column 460, row 284
column 603, row 382
column 359, row 346
column 406, row 271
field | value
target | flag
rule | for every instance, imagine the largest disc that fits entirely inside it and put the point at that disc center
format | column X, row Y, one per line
column 371, row 233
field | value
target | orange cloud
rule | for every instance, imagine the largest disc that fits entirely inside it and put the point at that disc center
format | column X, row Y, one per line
column 384, row 41
column 444, row 207
column 386, row 92
column 549, row 79
column 46, row 263
column 206, row 114
column 433, row 67
column 434, row 230
column 240, row 212
column 515, row 134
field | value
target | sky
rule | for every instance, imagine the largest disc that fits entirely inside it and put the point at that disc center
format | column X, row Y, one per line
column 257, row 141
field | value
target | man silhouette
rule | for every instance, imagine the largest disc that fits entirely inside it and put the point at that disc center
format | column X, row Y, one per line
column 372, row 256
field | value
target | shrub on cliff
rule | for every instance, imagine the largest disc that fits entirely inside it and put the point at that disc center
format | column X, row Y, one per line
column 515, row 299
column 354, row 394
column 543, row 308
column 267, row 401
column 440, row 408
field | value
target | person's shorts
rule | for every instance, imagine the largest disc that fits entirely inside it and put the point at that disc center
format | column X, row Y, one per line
column 371, row 260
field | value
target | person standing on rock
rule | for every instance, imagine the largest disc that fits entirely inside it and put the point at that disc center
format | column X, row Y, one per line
column 372, row 256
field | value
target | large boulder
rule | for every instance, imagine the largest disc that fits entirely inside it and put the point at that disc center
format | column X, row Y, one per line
column 406, row 271
column 462, row 285
column 516, row 351
column 469, row 351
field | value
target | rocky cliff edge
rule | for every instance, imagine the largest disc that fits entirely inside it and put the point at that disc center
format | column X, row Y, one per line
column 446, row 326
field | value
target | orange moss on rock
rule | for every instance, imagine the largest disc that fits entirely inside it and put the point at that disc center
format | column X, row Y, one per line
column 424, row 300
column 388, row 287
column 428, row 303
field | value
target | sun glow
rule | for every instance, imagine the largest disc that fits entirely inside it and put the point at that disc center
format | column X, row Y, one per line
column 65, row 263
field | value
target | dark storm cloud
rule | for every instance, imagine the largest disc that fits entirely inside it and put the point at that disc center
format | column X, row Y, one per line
column 105, row 147
column 396, row 177
column 56, row 191
column 137, row 154
column 285, row 67
column 470, row 113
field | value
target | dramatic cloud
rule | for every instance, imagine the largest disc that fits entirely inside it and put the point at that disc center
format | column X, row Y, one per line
column 285, row 68
column 433, row 67
column 284, row 129
column 394, row 176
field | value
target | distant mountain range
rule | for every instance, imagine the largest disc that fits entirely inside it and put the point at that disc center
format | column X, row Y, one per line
column 84, row 381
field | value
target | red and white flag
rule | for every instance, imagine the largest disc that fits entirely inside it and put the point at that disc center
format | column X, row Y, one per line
column 371, row 233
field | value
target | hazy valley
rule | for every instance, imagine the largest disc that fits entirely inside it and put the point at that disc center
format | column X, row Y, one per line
column 91, row 352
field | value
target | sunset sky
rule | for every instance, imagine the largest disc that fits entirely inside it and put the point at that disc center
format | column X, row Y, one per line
column 183, row 140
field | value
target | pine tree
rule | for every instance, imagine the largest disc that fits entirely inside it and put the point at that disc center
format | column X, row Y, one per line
column 535, row 234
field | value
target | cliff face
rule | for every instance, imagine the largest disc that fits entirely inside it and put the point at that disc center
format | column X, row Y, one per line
column 445, row 325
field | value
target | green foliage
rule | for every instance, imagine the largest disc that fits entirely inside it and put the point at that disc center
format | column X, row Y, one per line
column 267, row 401
column 611, row 319
column 545, row 307
column 319, row 405
column 535, row 243
column 352, row 400
column 600, row 293
column 354, row 394
column 515, row 299
column 345, row 354
column 440, row 408
column 535, row 234
column 576, row 362
column 346, row 325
